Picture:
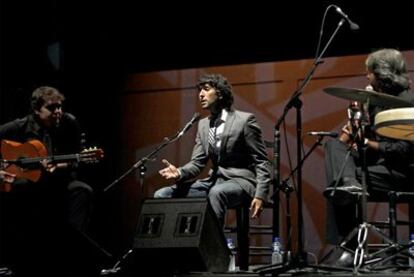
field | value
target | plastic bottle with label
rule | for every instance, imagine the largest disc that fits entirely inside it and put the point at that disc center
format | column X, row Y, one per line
column 232, row 248
column 277, row 254
column 411, row 250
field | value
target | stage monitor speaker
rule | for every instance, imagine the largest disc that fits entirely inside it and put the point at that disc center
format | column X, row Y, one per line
column 180, row 235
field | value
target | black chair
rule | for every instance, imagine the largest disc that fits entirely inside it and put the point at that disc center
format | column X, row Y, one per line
column 242, row 232
column 243, row 226
column 395, row 198
column 391, row 245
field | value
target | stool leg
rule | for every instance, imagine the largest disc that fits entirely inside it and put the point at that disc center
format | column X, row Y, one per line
column 242, row 214
column 411, row 217
column 392, row 214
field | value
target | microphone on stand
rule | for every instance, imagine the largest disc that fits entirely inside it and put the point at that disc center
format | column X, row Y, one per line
column 323, row 134
column 352, row 24
column 193, row 120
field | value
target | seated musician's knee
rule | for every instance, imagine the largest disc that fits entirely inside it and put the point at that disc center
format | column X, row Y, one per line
column 163, row 193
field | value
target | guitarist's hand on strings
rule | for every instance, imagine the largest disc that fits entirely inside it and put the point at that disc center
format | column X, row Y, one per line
column 7, row 177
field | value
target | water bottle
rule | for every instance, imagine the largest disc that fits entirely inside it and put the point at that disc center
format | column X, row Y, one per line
column 232, row 248
column 411, row 250
column 277, row 255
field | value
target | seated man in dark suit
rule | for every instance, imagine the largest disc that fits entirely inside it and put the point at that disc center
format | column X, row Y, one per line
column 232, row 139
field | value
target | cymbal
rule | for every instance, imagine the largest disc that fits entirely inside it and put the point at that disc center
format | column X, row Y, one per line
column 375, row 98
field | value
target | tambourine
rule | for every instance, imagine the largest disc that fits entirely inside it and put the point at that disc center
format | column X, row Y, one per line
column 396, row 123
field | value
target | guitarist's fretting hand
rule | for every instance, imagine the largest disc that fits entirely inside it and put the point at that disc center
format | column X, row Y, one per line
column 50, row 167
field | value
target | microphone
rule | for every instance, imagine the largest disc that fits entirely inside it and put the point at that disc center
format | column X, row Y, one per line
column 352, row 24
column 193, row 120
column 323, row 134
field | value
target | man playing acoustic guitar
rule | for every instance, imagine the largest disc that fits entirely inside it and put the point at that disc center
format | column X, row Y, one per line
column 41, row 213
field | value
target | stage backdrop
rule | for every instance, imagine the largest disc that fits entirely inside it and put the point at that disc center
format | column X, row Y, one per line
column 156, row 105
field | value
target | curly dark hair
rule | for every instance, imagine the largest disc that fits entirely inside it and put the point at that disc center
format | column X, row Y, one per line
column 221, row 85
column 390, row 70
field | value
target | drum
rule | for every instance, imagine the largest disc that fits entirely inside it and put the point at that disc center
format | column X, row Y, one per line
column 396, row 123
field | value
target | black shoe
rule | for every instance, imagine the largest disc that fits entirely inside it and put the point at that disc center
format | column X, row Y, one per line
column 345, row 260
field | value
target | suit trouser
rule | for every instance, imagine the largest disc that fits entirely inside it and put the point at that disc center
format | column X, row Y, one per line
column 222, row 194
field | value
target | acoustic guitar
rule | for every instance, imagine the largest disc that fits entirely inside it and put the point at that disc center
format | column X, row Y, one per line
column 25, row 160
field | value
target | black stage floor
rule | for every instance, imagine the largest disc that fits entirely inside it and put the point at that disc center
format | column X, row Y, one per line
column 286, row 274
column 297, row 273
column 253, row 272
column 308, row 272
column 381, row 268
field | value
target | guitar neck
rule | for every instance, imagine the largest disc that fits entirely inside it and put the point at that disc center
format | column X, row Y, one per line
column 33, row 155
column 26, row 162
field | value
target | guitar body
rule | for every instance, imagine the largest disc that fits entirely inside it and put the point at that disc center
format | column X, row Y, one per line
column 12, row 150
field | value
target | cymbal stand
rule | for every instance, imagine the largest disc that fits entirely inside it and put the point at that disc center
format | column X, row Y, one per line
column 363, row 260
column 354, row 117
column 299, row 259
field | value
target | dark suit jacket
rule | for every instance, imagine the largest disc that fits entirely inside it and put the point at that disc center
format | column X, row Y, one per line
column 242, row 154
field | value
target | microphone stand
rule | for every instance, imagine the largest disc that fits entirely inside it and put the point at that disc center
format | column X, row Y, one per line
column 141, row 163
column 299, row 260
column 287, row 189
column 316, row 144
